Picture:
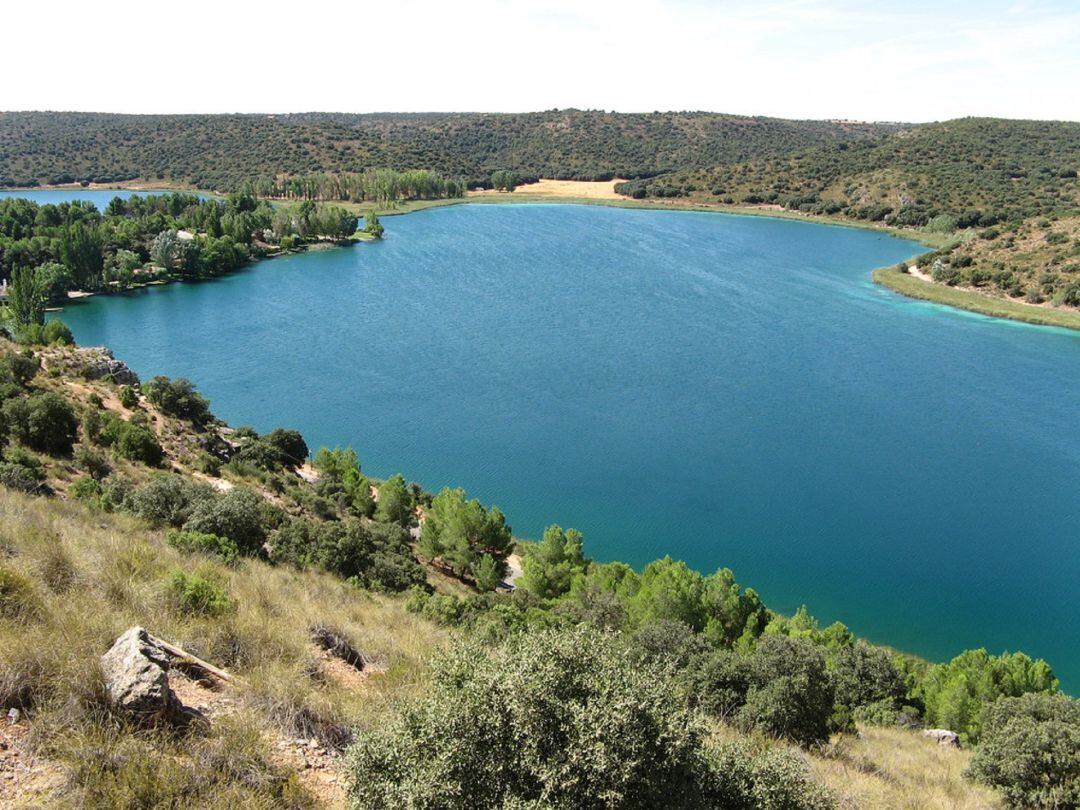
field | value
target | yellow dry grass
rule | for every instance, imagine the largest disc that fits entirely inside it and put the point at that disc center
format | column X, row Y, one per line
column 585, row 189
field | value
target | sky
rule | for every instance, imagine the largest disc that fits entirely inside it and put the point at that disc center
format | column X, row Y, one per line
column 895, row 61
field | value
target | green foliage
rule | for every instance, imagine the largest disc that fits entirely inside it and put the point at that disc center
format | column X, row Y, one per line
column 168, row 499
column 550, row 566
column 57, row 333
column 27, row 297
column 372, row 225
column 956, row 693
column 370, row 555
column 137, row 443
column 237, row 515
column 178, row 398
column 395, row 503
column 290, row 444
column 195, row 595
column 459, row 533
column 211, row 544
column 20, row 368
column 504, row 180
column 42, row 421
column 864, row 675
column 1030, row 750
column 128, row 398
column 551, row 719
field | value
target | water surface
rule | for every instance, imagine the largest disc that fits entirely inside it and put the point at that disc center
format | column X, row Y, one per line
column 731, row 391
column 98, row 196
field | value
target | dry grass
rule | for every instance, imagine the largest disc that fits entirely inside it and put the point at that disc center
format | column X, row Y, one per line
column 584, row 189
column 93, row 575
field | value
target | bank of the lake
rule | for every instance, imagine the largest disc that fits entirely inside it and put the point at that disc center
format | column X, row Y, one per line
column 728, row 390
column 909, row 285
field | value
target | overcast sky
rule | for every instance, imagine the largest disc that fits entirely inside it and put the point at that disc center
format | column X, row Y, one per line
column 909, row 61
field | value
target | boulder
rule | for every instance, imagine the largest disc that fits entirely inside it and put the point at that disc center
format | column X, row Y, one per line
column 99, row 364
column 943, row 736
column 136, row 671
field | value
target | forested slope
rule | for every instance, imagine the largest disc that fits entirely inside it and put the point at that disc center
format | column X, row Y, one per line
column 222, row 151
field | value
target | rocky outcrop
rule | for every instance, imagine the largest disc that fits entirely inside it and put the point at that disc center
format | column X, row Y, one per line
column 136, row 671
column 98, row 363
column 943, row 737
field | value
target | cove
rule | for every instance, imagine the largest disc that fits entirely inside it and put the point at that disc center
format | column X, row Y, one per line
column 732, row 391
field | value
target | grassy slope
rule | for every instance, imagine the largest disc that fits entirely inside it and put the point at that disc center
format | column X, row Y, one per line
column 96, row 574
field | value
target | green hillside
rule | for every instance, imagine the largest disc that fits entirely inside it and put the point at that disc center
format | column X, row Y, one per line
column 222, row 151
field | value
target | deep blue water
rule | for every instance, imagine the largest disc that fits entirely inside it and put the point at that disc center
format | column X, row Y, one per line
column 731, row 391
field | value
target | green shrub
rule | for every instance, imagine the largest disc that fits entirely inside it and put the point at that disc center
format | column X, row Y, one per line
column 57, row 333
column 167, row 499
column 204, row 543
column 237, row 515
column 18, row 477
column 44, row 422
column 178, row 398
column 138, row 444
column 864, row 675
column 88, row 490
column 93, row 461
column 195, row 595
column 1030, row 750
column 128, row 398
column 20, row 368
column 548, row 719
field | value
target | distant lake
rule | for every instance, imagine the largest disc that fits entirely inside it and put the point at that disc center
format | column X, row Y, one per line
column 728, row 390
column 98, row 196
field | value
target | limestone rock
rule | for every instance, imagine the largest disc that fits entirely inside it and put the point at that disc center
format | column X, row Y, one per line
column 136, row 673
column 943, row 736
column 99, row 364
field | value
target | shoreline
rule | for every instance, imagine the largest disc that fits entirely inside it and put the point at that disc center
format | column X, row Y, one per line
column 957, row 298
column 903, row 284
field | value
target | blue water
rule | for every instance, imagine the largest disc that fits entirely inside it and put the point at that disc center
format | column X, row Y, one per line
column 730, row 391
column 99, row 197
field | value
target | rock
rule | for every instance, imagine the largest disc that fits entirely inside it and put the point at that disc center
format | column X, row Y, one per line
column 99, row 364
column 136, row 673
column 13, row 716
column 943, row 736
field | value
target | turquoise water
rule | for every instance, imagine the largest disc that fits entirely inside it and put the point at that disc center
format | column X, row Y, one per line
column 730, row 391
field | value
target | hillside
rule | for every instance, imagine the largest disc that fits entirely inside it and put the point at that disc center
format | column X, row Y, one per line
column 975, row 171
column 222, row 152
column 372, row 660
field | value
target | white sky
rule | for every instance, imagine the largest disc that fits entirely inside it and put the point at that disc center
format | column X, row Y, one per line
column 910, row 61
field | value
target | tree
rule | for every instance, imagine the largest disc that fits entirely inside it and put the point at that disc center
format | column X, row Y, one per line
column 178, row 398
column 80, row 249
column 26, row 298
column 372, row 225
column 1030, row 750
column 550, row 566
column 458, row 533
column 236, row 515
column 290, row 444
column 395, row 503
column 55, row 280
column 165, row 249
column 956, row 693
column 44, row 422
column 863, row 675
column 503, row 180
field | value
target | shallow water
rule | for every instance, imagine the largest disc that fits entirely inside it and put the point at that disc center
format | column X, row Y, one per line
column 731, row 391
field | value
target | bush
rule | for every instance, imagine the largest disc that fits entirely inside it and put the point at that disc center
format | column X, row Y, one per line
column 44, row 422
column 167, row 499
column 863, row 675
column 558, row 719
column 291, row 447
column 1030, row 750
column 87, row 490
column 57, row 333
column 93, row 461
column 237, row 515
column 18, row 477
column 178, row 398
column 221, row 547
column 128, row 398
column 19, row 368
column 138, row 444
column 198, row 596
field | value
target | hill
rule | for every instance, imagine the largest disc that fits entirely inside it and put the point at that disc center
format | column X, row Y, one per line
column 221, row 152
column 373, row 657
column 973, row 171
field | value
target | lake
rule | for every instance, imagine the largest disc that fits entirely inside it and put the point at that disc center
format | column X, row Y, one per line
column 732, row 391
column 98, row 196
